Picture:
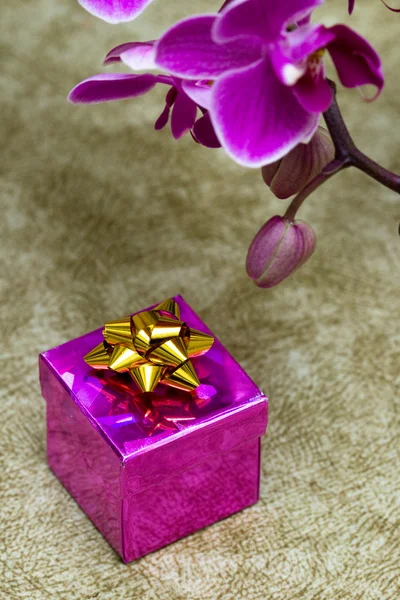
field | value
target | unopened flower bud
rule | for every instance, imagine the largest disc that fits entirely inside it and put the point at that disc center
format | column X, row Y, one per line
column 291, row 174
column 279, row 248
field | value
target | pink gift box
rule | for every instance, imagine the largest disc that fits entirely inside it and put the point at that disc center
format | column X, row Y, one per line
column 149, row 469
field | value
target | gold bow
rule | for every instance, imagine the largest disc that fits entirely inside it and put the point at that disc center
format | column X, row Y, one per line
column 154, row 346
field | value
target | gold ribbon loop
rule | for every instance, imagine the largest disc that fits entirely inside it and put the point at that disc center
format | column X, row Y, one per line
column 147, row 377
column 183, row 377
column 118, row 331
column 171, row 353
column 199, row 343
column 122, row 359
column 99, row 357
column 170, row 306
column 153, row 346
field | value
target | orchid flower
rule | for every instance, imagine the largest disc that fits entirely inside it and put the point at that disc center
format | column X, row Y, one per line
column 266, row 61
column 118, row 86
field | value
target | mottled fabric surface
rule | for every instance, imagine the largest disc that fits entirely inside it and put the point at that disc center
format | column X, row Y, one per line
column 103, row 216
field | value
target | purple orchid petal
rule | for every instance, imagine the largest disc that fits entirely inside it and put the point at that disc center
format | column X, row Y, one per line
column 198, row 91
column 351, row 6
column 292, row 57
column 356, row 61
column 313, row 93
column 111, row 86
column 287, row 71
column 115, row 11
column 183, row 115
column 141, row 57
column 114, row 56
column 137, row 55
column 204, row 132
column 170, row 99
column 260, row 19
column 187, row 50
column 225, row 4
column 163, row 119
column 305, row 40
column 171, row 96
column 303, row 21
column 256, row 118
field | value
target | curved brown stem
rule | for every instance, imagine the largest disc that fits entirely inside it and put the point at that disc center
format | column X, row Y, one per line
column 331, row 169
column 347, row 155
column 347, row 151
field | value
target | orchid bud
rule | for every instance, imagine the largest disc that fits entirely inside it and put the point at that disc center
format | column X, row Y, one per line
column 279, row 248
column 291, row 174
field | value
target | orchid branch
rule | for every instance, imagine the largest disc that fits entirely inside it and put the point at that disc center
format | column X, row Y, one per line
column 349, row 154
column 315, row 183
column 346, row 155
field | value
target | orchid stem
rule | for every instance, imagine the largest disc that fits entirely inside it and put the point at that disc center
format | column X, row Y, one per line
column 315, row 183
column 347, row 155
column 347, row 151
column 376, row 171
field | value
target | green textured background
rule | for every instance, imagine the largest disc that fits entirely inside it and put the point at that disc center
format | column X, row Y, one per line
column 103, row 216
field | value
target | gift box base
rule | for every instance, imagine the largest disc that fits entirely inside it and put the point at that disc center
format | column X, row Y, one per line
column 192, row 500
column 136, row 524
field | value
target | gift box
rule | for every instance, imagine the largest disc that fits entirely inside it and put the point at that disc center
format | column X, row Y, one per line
column 150, row 467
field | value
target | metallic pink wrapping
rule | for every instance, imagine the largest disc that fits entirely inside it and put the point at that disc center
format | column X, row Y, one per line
column 149, row 469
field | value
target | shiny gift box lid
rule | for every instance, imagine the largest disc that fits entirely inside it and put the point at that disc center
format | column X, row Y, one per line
column 224, row 410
